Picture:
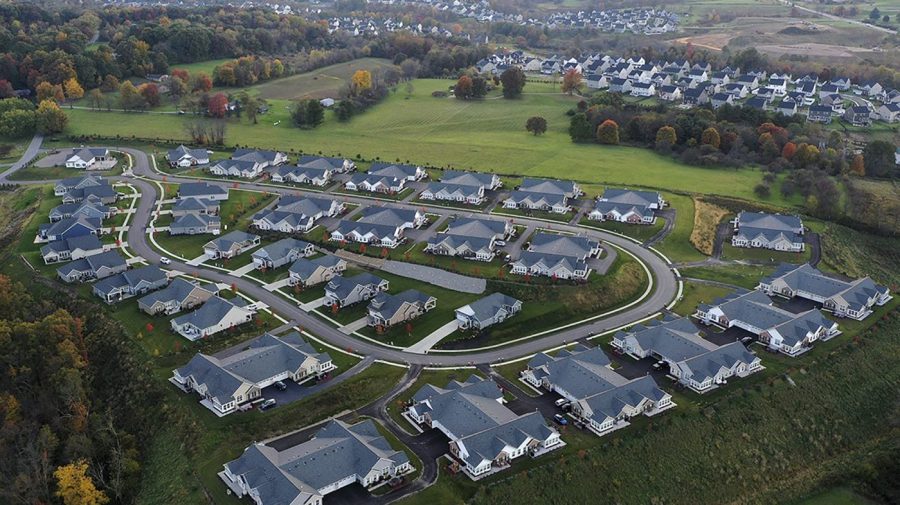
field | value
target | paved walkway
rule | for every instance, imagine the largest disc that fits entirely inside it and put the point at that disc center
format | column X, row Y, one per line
column 436, row 276
column 244, row 270
column 199, row 260
column 354, row 326
column 315, row 304
column 424, row 345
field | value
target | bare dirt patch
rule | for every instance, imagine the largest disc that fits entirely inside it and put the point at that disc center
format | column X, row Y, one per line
column 814, row 49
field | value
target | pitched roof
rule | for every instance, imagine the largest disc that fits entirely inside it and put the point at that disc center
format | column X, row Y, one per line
column 467, row 178
column 177, row 291
column 392, row 170
column 548, row 186
column 200, row 189
column 488, row 307
column 562, row 245
column 281, row 249
column 211, row 313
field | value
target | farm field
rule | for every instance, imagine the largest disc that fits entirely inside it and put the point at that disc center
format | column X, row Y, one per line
column 325, row 82
column 486, row 135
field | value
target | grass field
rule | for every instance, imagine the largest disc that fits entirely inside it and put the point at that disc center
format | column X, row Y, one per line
column 486, row 135
column 745, row 276
column 322, row 83
column 201, row 66
column 706, row 219
column 695, row 294
column 677, row 245
column 636, row 231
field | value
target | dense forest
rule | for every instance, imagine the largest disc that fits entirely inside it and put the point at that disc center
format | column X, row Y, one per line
column 76, row 401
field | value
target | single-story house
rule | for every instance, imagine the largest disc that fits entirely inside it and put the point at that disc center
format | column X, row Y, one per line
column 490, row 310
column 537, row 201
column 85, row 157
column 409, row 173
column 550, row 265
column 246, row 169
column 74, row 248
column 337, row 165
column 217, row 314
column 477, row 179
column 66, row 185
column 93, row 267
column 264, row 159
column 472, row 195
column 286, row 250
column 195, row 224
column 627, row 206
column 310, row 272
column 386, row 310
column 86, row 208
column 345, row 291
column 230, row 245
column 564, row 245
column 203, row 190
column 769, row 231
column 184, row 157
column 375, row 184
column 130, row 283
column 191, row 205
column 69, row 228
column 179, row 295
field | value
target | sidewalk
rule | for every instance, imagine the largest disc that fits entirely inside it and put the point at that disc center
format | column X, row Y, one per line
column 244, row 270
column 424, row 345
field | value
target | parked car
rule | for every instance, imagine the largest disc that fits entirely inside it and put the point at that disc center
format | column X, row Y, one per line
column 560, row 420
column 165, row 261
column 499, row 243
column 746, row 340
column 281, row 386
column 268, row 404
column 561, row 402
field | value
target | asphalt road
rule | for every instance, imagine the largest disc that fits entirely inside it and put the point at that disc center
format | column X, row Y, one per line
column 665, row 284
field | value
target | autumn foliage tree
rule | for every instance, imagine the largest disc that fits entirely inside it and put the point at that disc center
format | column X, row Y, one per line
column 666, row 137
column 361, row 81
column 608, row 132
column 858, row 165
column 571, row 81
column 789, row 150
column 513, row 80
column 218, row 105
column 463, row 88
column 73, row 89
column 49, row 118
column 75, row 486
column 150, row 93
column 710, row 137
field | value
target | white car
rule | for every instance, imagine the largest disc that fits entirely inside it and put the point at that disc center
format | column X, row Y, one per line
column 165, row 261
column 561, row 402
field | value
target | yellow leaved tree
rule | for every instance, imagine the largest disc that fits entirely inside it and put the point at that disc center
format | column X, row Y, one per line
column 75, row 486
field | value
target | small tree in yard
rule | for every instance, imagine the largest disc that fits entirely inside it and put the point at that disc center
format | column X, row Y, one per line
column 463, row 88
column 571, row 82
column 513, row 80
column 580, row 128
column 608, row 132
column 536, row 125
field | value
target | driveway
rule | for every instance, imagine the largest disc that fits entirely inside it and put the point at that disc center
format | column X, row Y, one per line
column 422, row 346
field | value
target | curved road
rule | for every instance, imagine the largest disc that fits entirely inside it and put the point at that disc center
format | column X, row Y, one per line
column 665, row 284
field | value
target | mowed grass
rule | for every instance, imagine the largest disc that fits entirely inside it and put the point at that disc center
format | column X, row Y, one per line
column 485, row 135
column 695, row 294
column 322, row 83
column 201, row 66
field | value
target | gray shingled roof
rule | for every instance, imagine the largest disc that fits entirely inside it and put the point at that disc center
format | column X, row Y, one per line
column 487, row 307
column 674, row 339
column 392, row 170
column 305, row 267
column 178, row 290
column 149, row 273
column 461, row 178
column 321, row 162
column 562, row 245
column 478, row 228
column 281, row 249
column 211, row 313
column 387, row 216
column 200, row 189
column 387, row 305
column 343, row 286
column 83, row 242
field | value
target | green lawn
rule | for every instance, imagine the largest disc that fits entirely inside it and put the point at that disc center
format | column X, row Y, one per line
column 486, row 135
column 730, row 252
column 552, row 216
column 695, row 294
column 637, row 231
column 746, row 276
column 677, row 245
column 34, row 173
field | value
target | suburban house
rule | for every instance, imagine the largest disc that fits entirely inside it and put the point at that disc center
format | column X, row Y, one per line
column 854, row 298
column 490, row 310
column 858, row 115
column 345, row 291
column 627, row 206
column 696, row 362
column 409, row 173
column 131, row 283
column 93, row 267
column 386, row 310
column 485, row 436
column 564, row 245
column 85, row 157
column 203, row 190
column 69, row 228
column 230, row 245
column 102, row 193
column 74, row 248
column 191, row 205
column 695, row 96
column 86, row 208
column 889, row 112
column 788, row 108
column 337, row 456
column 246, row 169
column 569, row 189
column 669, row 92
column 769, row 231
column 72, row 183
column 301, row 175
column 550, row 265
column 469, row 238
column 472, row 195
column 603, row 399
column 229, row 382
column 597, row 81
column 401, row 218
column 295, row 214
column 264, row 159
column 375, row 184
column 383, row 235
column 782, row 330
column 819, row 114
column 337, row 165
column 644, row 89
column 195, row 224
column 286, row 250
column 477, row 179
column 720, row 99
column 217, row 314
column 184, row 157
column 310, row 272
column 537, row 201
column 179, row 295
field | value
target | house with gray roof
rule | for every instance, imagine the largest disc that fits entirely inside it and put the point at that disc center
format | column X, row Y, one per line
column 375, row 184
column 192, row 205
column 69, row 228
column 72, row 183
column 603, row 399
column 854, row 298
column 469, row 238
column 345, row 291
column 569, row 189
column 264, row 159
column 564, row 245
column 130, row 283
column 86, row 209
column 86, row 157
column 337, row 165
column 550, row 265
column 627, row 206
column 783, row 331
column 103, row 193
column 529, row 200
column 337, row 456
column 203, row 190
column 409, row 173
column 230, row 245
column 696, row 362
column 778, row 232
column 296, row 214
column 196, row 224
column 246, row 169
column 286, row 250
column 217, row 314
column 485, row 435
column 179, row 295
column 310, row 272
column 474, row 179
column 301, row 175
column 446, row 192
column 74, row 248
column 386, row 310
column 484, row 312
column 184, row 157
column 93, row 267
column 381, row 235
column 227, row 383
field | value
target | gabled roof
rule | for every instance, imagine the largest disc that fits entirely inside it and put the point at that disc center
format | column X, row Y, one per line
column 343, row 286
column 131, row 278
column 83, row 242
column 346, row 227
column 548, row 186
column 562, row 245
column 255, row 155
column 307, row 206
column 707, row 365
column 807, row 278
column 281, row 249
column 194, row 221
column 387, row 216
column 239, row 165
column 177, row 291
column 675, row 339
column 611, row 403
column 229, row 240
column 200, row 189
column 477, row 228
column 305, row 267
column 108, row 259
column 392, row 170
column 466, row 191
column 387, row 305
column 488, row 307
column 193, row 204
column 182, row 152
column 467, row 178
column 530, row 259
column 211, row 313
